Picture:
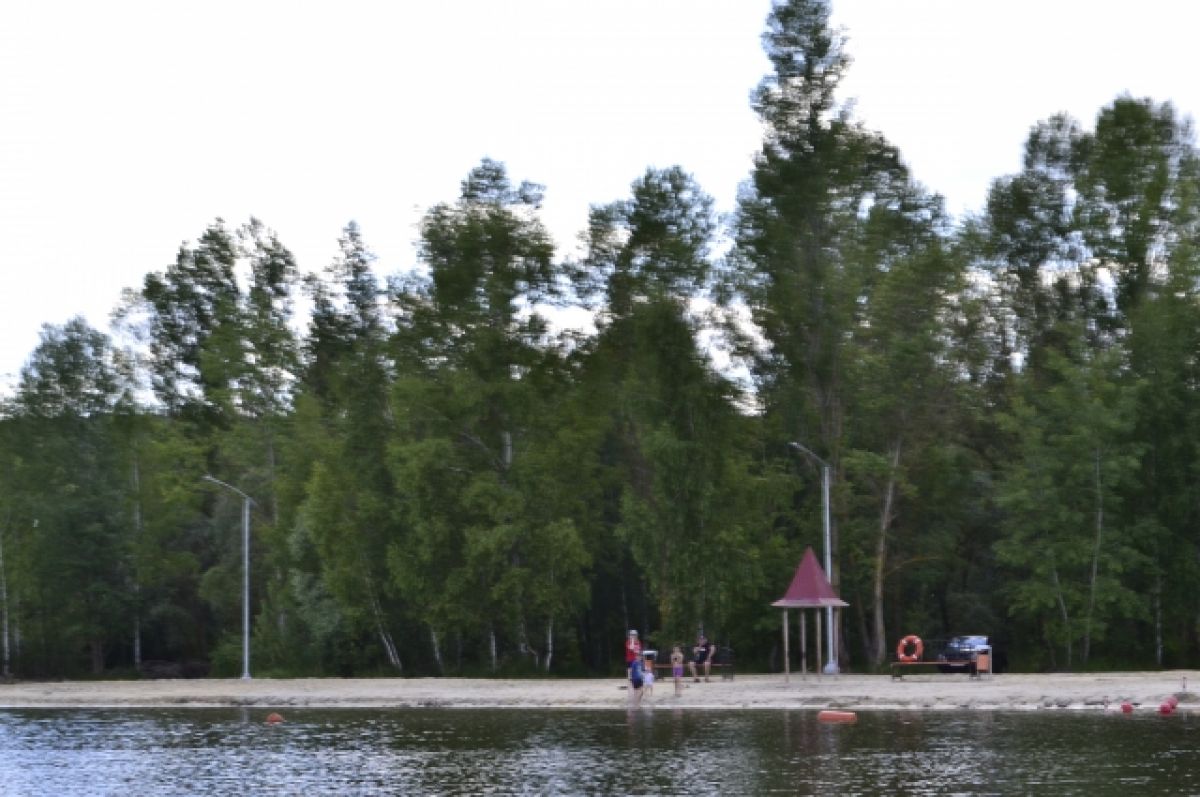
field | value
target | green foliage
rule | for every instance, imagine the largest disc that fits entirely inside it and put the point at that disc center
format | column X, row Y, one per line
column 1070, row 555
column 72, row 550
column 443, row 482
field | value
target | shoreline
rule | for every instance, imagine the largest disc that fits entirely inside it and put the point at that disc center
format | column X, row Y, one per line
column 932, row 692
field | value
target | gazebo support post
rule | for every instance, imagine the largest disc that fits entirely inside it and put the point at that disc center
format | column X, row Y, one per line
column 820, row 658
column 803, row 644
column 787, row 664
column 837, row 639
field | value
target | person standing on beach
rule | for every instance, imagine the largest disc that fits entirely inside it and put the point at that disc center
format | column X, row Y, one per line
column 677, row 669
column 702, row 653
column 633, row 652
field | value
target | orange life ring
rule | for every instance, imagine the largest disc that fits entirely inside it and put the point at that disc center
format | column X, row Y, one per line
column 902, row 653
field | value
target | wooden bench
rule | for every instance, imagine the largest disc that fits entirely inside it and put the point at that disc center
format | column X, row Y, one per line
column 898, row 667
column 722, row 662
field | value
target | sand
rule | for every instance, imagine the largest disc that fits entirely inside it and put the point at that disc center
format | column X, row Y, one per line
column 1146, row 691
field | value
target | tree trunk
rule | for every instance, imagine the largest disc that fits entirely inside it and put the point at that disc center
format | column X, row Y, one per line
column 385, row 636
column 6, row 668
column 886, row 515
column 437, row 650
column 137, row 636
column 389, row 645
column 1091, row 606
column 96, row 645
column 1158, row 631
column 15, row 619
column 1066, row 617
column 137, row 583
column 860, row 615
column 523, row 642
column 549, row 643
column 624, row 609
column 271, row 467
column 492, row 646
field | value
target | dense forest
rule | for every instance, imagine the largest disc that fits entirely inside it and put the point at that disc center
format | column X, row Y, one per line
column 443, row 478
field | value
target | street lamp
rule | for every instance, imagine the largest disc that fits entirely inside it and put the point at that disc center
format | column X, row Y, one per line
column 831, row 666
column 246, row 502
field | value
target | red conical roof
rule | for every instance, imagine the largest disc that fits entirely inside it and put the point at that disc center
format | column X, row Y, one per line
column 809, row 587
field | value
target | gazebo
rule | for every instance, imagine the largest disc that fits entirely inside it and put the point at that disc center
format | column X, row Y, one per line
column 810, row 589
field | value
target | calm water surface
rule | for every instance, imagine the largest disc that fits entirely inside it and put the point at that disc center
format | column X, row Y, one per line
column 655, row 750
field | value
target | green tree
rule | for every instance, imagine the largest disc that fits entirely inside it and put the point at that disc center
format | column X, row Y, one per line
column 1033, row 250
column 1111, row 207
column 221, row 361
column 819, row 184
column 899, row 390
column 74, row 581
column 347, row 505
column 1128, row 184
column 1163, row 336
column 11, row 520
column 1069, row 553
column 194, row 328
column 670, row 439
column 476, row 361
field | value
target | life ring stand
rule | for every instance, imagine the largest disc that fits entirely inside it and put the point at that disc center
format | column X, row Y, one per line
column 918, row 648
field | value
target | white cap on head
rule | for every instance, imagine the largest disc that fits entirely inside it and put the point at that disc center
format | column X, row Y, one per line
column 632, row 632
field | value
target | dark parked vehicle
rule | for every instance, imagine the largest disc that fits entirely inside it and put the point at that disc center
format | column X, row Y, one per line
column 960, row 653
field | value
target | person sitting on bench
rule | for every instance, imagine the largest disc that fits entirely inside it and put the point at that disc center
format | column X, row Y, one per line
column 702, row 654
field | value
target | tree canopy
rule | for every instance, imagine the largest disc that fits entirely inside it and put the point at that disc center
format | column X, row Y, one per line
column 446, row 479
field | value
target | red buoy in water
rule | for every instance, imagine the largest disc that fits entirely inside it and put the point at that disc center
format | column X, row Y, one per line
column 1174, row 701
column 1165, row 709
column 1126, row 707
column 274, row 719
column 837, row 716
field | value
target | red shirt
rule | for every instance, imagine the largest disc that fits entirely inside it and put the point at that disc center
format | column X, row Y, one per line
column 633, row 649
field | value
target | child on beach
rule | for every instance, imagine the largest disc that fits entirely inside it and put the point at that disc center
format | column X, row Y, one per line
column 636, row 681
column 648, row 675
column 677, row 669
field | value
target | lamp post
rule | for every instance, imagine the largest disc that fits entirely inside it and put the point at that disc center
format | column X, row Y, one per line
column 831, row 665
column 246, row 502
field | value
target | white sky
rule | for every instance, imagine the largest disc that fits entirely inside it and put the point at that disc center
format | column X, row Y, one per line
column 127, row 126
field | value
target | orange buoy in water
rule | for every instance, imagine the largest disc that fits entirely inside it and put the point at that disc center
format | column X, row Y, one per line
column 837, row 716
column 273, row 718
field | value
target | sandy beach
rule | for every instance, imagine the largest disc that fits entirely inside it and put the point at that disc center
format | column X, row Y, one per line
column 935, row 691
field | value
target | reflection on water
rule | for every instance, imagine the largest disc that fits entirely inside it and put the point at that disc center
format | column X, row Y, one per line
column 645, row 751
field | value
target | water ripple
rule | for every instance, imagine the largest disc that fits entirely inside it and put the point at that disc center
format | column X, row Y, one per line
column 645, row 751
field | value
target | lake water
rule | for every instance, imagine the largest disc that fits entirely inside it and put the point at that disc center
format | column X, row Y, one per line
column 646, row 751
